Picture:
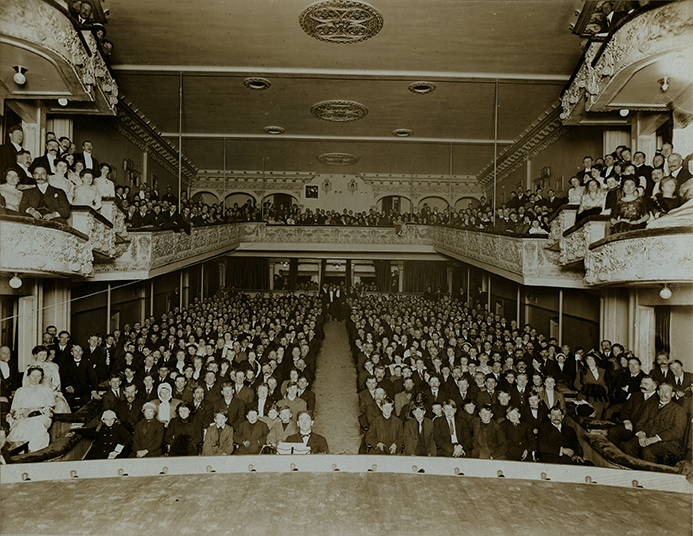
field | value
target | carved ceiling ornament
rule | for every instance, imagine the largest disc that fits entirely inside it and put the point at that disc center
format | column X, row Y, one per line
column 341, row 21
column 339, row 111
column 652, row 33
column 338, row 159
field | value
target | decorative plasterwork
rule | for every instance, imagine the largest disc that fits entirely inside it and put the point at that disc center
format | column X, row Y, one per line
column 341, row 21
column 422, row 88
column 139, row 130
column 338, row 159
column 402, row 132
column 40, row 23
column 526, row 258
column 641, row 259
column 575, row 245
column 665, row 29
column 543, row 133
column 339, row 111
column 35, row 248
column 420, row 186
column 102, row 236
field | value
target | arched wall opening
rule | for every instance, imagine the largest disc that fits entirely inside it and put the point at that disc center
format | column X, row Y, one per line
column 400, row 204
column 433, row 203
column 239, row 198
column 207, row 198
column 466, row 202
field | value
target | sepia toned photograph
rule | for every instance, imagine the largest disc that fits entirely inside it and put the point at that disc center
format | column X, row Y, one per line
column 339, row 267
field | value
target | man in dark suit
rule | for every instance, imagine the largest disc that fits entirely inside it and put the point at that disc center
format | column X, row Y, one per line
column 86, row 156
column 142, row 218
column 45, row 202
column 451, row 433
column 660, row 371
column 79, row 383
column 433, row 393
column 660, row 429
column 9, row 380
column 306, row 394
column 9, row 150
column 519, row 392
column 418, row 434
column 586, row 173
column 114, row 394
column 632, row 410
column 63, row 348
column 368, row 409
column 305, row 435
column 681, row 381
column 535, row 413
column 26, row 177
column 129, row 408
column 95, row 353
column 385, row 434
column 48, row 160
column 557, row 442
column 233, row 405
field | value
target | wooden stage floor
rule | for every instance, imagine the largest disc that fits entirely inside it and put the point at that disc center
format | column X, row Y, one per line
column 337, row 503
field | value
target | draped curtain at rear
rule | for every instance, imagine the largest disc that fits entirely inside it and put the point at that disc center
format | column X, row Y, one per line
column 382, row 275
column 246, row 273
column 420, row 274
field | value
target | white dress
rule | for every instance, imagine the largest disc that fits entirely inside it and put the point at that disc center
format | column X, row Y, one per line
column 32, row 429
column 105, row 186
column 51, row 379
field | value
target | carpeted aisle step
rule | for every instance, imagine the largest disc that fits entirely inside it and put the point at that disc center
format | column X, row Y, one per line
column 336, row 400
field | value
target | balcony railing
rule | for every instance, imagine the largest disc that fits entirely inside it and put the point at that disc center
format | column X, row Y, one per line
column 34, row 246
column 646, row 256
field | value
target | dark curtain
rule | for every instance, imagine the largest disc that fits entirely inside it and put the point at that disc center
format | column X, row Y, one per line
column 347, row 283
column 420, row 274
column 247, row 273
column 323, row 270
column 383, row 278
column 282, row 200
column 293, row 273
column 662, row 327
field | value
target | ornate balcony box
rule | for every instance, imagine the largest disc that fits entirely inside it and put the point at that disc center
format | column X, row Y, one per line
column 98, row 228
column 560, row 221
column 48, row 41
column 576, row 240
column 524, row 260
column 355, row 241
column 147, row 254
column 646, row 256
column 113, row 214
column 31, row 246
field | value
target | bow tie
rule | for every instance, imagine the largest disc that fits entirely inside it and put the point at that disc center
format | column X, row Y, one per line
column 305, row 435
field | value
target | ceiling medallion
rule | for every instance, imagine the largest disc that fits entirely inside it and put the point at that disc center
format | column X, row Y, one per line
column 421, row 88
column 341, row 21
column 338, row 159
column 274, row 130
column 257, row 84
column 339, row 111
column 402, row 132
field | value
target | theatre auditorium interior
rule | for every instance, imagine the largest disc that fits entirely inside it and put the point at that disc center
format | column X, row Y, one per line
column 383, row 267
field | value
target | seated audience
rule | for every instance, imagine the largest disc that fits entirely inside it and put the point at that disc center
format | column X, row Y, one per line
column 305, row 435
column 111, row 439
column 219, row 436
column 9, row 191
column 148, row 437
column 45, row 202
column 32, row 411
column 386, row 433
column 557, row 442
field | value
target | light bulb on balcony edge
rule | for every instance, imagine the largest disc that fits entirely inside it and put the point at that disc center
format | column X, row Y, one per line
column 665, row 293
column 15, row 282
column 623, row 112
column 63, row 102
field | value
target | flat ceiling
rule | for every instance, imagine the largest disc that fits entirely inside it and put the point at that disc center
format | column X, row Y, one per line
column 462, row 47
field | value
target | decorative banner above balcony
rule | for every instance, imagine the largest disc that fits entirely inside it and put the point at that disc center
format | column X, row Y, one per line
column 341, row 21
column 338, row 159
column 339, row 111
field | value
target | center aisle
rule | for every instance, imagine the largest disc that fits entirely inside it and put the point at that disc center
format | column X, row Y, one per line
column 336, row 399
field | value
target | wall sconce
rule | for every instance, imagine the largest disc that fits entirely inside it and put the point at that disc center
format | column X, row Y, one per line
column 664, row 83
column 19, row 77
column 15, row 282
column 665, row 293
